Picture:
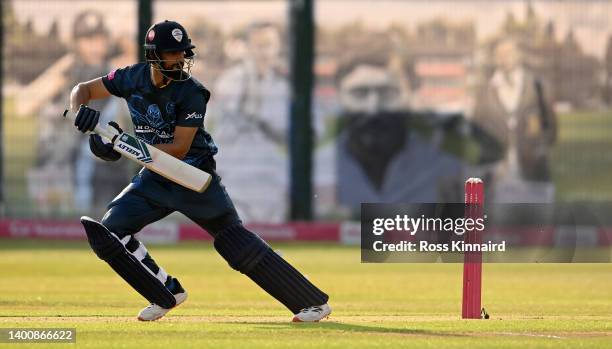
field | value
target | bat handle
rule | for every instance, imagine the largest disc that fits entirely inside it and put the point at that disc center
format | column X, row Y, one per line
column 109, row 134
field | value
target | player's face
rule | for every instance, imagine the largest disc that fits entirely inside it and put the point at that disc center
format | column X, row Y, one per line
column 173, row 60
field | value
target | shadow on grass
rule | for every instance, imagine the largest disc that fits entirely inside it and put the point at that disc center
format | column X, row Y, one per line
column 327, row 326
column 341, row 327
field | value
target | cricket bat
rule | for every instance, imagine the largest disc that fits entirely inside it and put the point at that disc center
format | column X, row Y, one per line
column 152, row 158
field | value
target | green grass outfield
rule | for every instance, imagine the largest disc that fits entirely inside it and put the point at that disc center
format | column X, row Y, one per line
column 63, row 284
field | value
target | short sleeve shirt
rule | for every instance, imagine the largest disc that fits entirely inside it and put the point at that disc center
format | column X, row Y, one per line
column 156, row 111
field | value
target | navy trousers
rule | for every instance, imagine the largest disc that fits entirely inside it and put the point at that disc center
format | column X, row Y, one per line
column 150, row 197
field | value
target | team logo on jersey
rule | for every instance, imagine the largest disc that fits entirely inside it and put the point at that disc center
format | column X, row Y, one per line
column 177, row 34
column 153, row 116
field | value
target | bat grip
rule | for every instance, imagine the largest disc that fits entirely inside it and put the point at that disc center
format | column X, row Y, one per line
column 109, row 135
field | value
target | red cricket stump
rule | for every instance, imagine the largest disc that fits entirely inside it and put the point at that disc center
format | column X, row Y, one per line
column 472, row 262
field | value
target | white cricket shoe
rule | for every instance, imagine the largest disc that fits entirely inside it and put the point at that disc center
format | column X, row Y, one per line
column 313, row 314
column 155, row 312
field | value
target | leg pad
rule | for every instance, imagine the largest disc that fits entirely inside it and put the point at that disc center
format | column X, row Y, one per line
column 249, row 254
column 126, row 263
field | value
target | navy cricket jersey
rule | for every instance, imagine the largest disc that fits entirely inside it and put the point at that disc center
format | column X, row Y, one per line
column 157, row 111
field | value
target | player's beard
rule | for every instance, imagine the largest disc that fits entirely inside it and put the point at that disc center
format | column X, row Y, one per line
column 374, row 140
column 177, row 71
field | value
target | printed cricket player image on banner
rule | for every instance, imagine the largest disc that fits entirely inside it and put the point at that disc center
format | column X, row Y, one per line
column 251, row 113
column 65, row 177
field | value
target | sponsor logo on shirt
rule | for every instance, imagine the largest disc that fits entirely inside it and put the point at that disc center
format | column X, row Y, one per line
column 148, row 129
column 194, row 115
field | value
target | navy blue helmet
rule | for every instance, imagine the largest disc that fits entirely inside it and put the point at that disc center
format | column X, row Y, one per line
column 169, row 36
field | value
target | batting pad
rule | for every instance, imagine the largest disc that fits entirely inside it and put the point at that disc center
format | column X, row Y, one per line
column 130, row 262
column 138, row 250
column 249, row 254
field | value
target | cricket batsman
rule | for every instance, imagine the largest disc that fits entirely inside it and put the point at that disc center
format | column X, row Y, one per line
column 167, row 107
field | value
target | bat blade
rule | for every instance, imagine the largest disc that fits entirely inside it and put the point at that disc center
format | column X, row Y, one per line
column 154, row 159
column 162, row 163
